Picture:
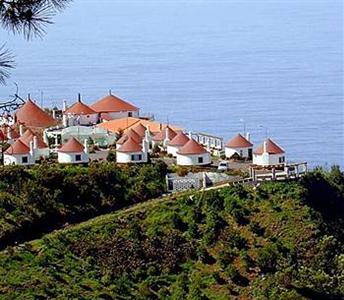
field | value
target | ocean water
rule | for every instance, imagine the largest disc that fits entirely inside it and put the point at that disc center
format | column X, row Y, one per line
column 274, row 66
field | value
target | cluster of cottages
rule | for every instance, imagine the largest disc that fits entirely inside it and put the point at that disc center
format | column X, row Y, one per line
column 31, row 127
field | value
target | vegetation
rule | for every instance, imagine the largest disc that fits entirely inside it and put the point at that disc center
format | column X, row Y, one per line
column 36, row 200
column 281, row 240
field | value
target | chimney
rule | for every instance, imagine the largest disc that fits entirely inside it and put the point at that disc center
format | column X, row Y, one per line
column 31, row 148
column 248, row 136
column 86, row 146
column 65, row 121
column 265, row 146
column 64, row 106
column 9, row 133
column 110, row 93
column 54, row 114
column 79, row 97
column 167, row 137
column 145, row 146
column 190, row 135
column 45, row 138
column 35, row 144
column 21, row 129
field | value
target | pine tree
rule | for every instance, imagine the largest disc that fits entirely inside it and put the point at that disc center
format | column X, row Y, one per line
column 28, row 18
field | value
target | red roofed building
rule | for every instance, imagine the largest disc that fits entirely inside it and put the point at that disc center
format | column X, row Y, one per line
column 130, row 134
column 41, row 149
column 80, row 114
column 115, row 107
column 239, row 145
column 73, row 152
column 132, row 152
column 19, row 154
column 176, row 143
column 269, row 153
column 31, row 115
column 163, row 137
column 193, row 154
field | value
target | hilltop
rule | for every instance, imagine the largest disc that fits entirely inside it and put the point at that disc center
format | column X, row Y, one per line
column 280, row 240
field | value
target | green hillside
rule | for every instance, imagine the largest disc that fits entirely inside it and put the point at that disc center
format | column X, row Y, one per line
column 276, row 241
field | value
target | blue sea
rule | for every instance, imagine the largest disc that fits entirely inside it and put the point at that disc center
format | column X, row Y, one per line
column 273, row 66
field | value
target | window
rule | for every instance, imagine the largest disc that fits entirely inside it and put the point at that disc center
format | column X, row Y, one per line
column 130, row 114
column 200, row 160
column 25, row 160
column 136, row 157
column 241, row 153
column 78, row 157
column 281, row 159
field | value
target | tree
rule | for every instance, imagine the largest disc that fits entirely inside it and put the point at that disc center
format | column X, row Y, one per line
column 26, row 17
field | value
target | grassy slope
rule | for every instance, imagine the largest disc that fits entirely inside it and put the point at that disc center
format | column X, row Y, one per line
column 243, row 243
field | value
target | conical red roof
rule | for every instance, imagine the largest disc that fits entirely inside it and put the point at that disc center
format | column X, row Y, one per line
column 31, row 115
column 112, row 103
column 79, row 108
column 130, row 145
column 192, row 147
column 271, row 148
column 239, row 142
column 18, row 147
column 73, row 145
column 140, row 130
column 130, row 133
column 179, row 140
column 28, row 136
column 160, row 136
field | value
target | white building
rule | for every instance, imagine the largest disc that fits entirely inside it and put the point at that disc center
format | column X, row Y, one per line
column 269, row 153
column 19, row 154
column 239, row 145
column 79, row 114
column 40, row 147
column 163, row 137
column 176, row 143
column 112, row 107
column 132, row 152
column 129, row 134
column 193, row 154
column 73, row 152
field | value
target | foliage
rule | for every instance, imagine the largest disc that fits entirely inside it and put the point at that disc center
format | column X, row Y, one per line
column 36, row 200
column 290, row 246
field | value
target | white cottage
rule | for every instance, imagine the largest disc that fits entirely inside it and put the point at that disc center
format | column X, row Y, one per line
column 176, row 143
column 79, row 114
column 163, row 137
column 129, row 134
column 193, row 154
column 269, row 153
column 132, row 152
column 19, row 154
column 112, row 107
column 239, row 145
column 41, row 149
column 73, row 152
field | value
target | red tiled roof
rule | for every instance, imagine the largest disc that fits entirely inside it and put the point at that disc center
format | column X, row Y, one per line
column 18, row 147
column 112, row 103
column 79, row 108
column 132, row 134
column 160, row 136
column 140, row 130
column 28, row 136
column 191, row 147
column 271, row 148
column 31, row 115
column 73, row 145
column 239, row 142
column 179, row 140
column 130, row 145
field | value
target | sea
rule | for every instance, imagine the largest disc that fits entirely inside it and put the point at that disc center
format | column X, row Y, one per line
column 270, row 67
